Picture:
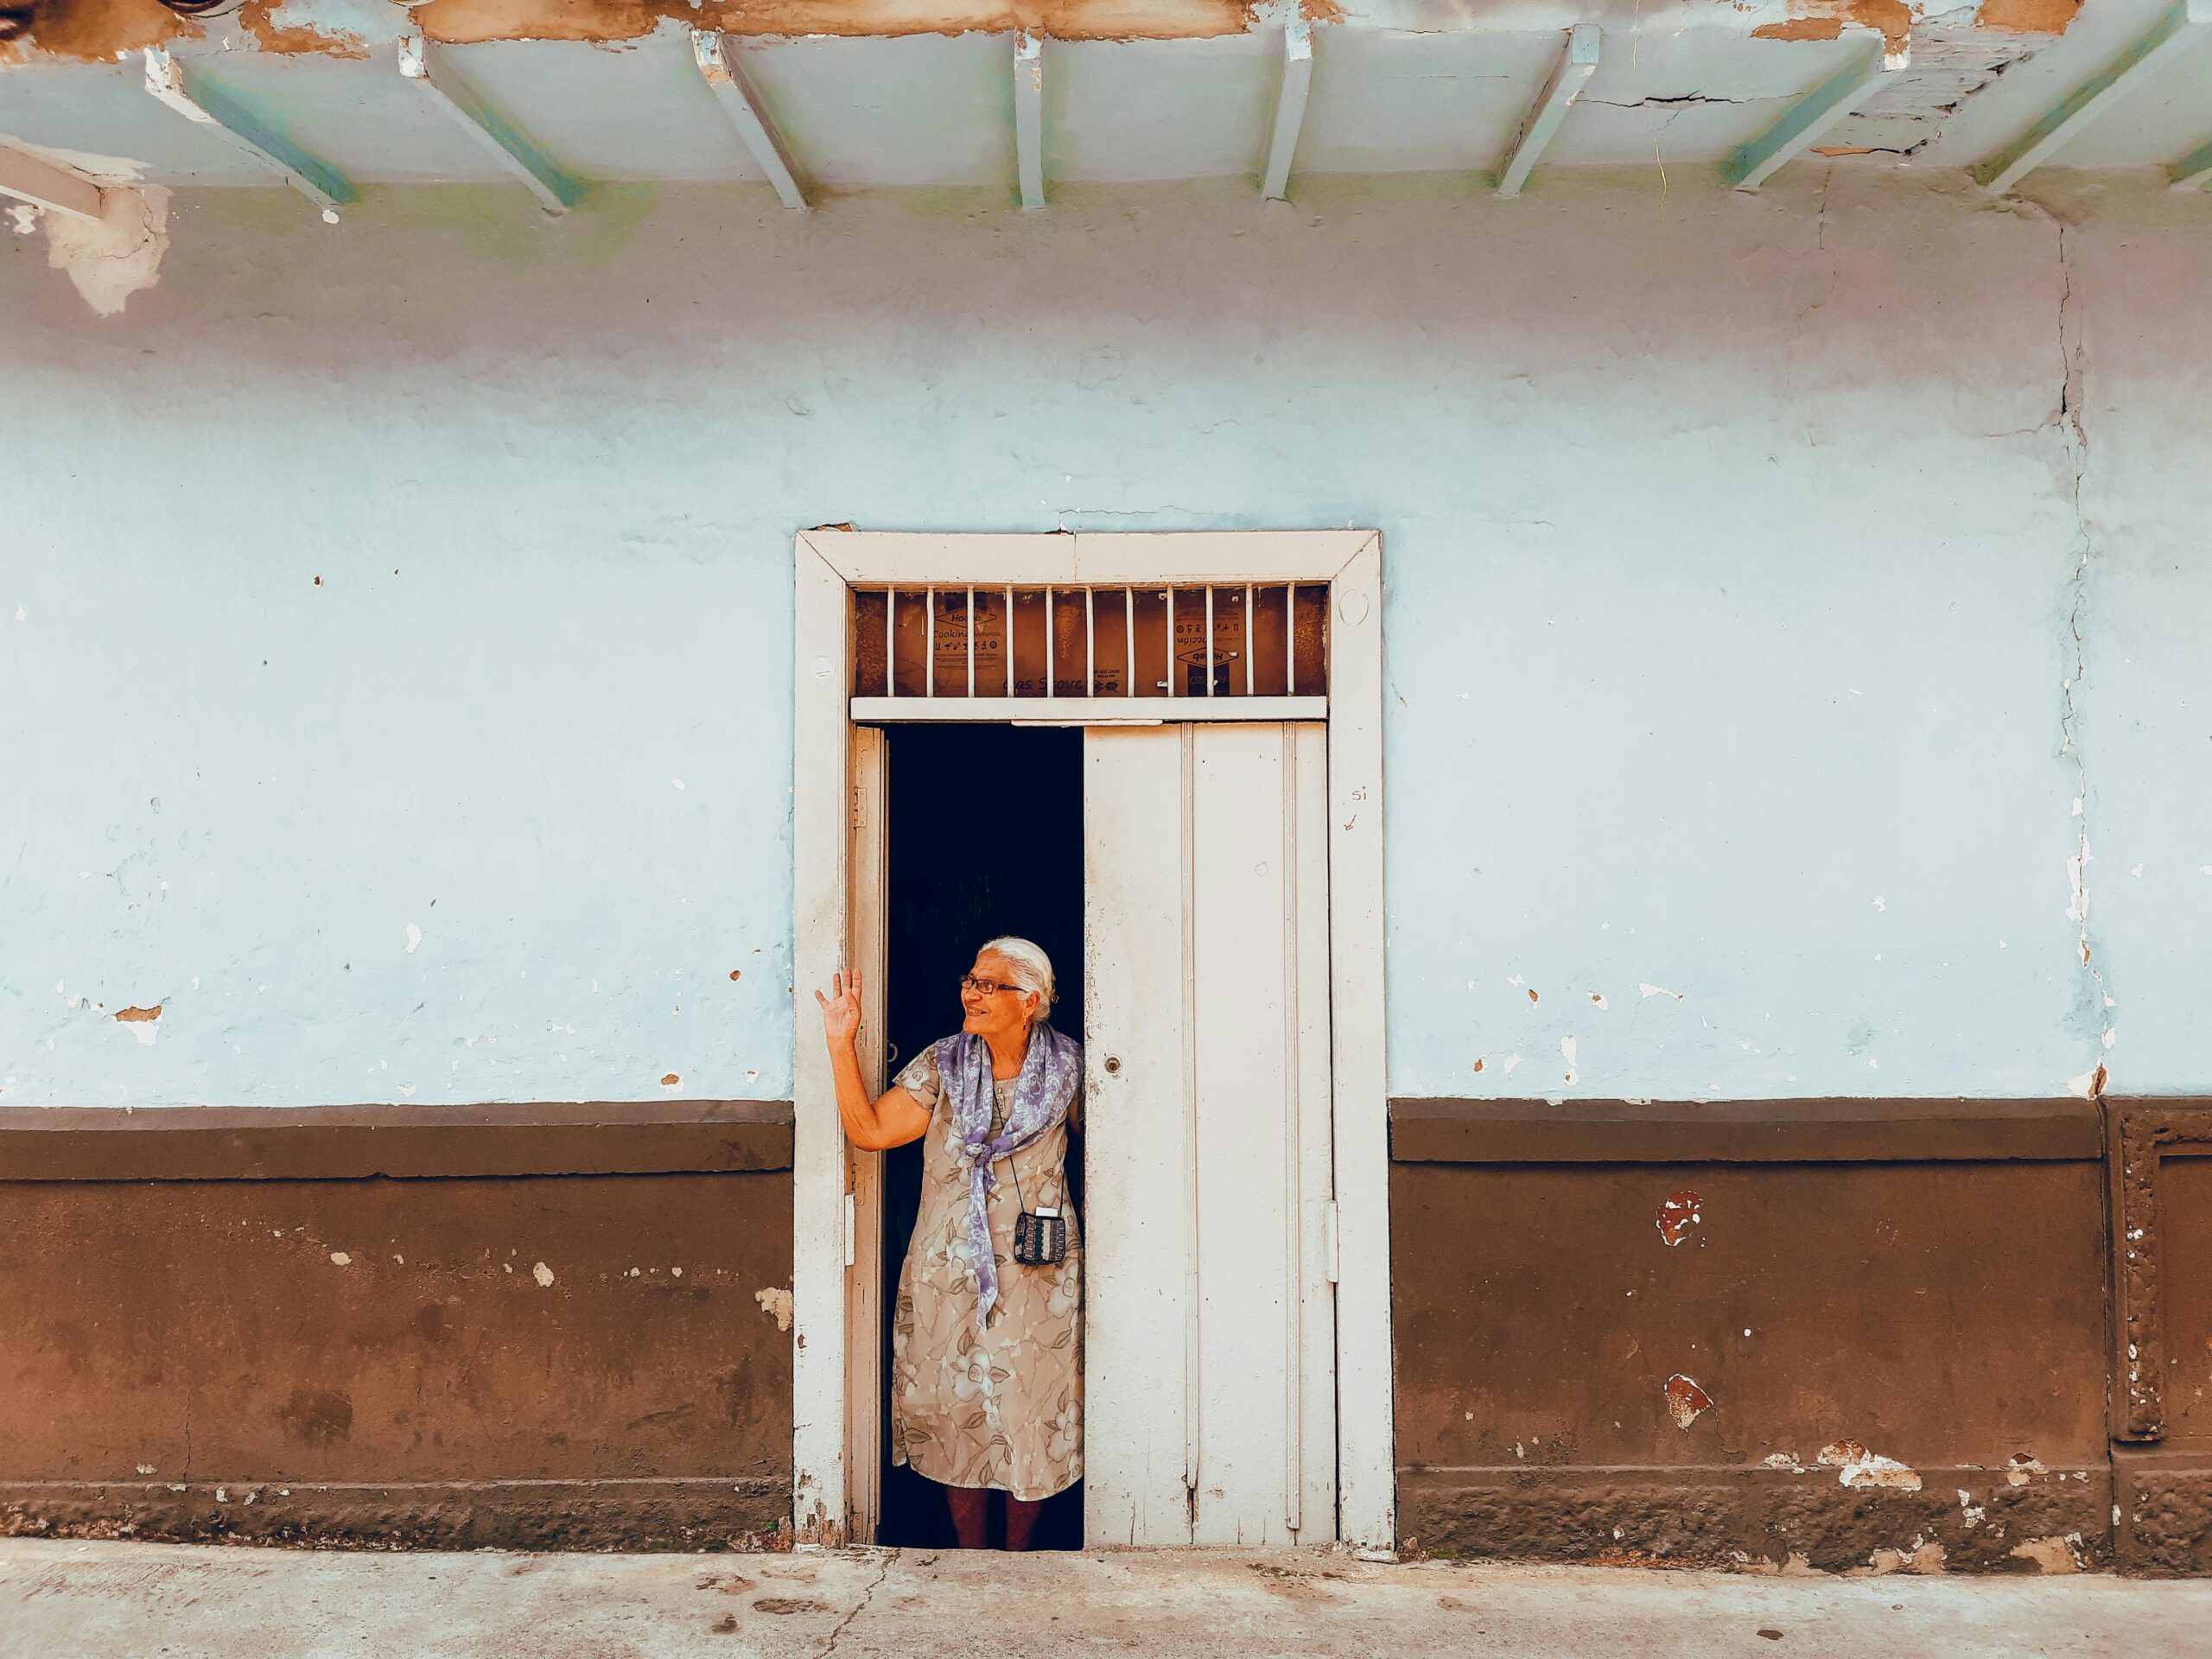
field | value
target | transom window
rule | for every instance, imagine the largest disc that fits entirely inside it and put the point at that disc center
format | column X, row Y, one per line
column 1221, row 640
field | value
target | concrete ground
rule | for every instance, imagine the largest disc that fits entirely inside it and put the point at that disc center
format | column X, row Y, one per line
column 64, row 1600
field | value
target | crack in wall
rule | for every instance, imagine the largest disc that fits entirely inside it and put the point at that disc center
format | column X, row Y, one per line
column 2073, row 438
column 1673, row 102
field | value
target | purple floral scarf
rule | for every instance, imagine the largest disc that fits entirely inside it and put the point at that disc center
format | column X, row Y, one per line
column 1051, row 1072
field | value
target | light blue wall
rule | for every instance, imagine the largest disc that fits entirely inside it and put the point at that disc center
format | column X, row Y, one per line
column 1730, row 549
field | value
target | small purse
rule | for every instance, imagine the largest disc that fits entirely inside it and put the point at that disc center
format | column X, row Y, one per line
column 1040, row 1236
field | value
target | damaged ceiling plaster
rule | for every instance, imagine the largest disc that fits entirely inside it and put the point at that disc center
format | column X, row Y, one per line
column 893, row 93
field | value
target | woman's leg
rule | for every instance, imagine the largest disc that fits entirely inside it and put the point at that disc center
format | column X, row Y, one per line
column 971, row 1514
column 1020, row 1521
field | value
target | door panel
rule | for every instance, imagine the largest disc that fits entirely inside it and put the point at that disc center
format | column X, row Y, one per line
column 1210, row 1315
column 1136, row 1385
column 870, row 831
column 1243, row 1308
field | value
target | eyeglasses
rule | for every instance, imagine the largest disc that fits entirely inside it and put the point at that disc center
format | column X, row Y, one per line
column 985, row 986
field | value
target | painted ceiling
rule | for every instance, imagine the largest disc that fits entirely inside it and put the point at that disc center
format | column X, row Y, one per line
column 874, row 93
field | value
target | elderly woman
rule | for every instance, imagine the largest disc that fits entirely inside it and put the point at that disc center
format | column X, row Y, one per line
column 986, row 1351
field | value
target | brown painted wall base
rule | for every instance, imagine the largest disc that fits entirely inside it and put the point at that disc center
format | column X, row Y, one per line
column 2165, row 1500
column 569, row 1332
column 628, row 1515
column 1662, row 1332
column 1960, row 1519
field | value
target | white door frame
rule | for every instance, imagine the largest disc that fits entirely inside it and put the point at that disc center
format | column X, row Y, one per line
column 836, row 1261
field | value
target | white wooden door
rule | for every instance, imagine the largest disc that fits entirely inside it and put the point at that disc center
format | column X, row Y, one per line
column 1210, row 1412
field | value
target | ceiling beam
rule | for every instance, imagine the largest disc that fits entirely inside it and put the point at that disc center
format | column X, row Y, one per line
column 40, row 182
column 2182, row 24
column 1804, row 122
column 2192, row 170
column 716, row 56
column 1577, row 63
column 1029, row 115
column 424, row 63
column 1290, row 107
column 203, row 101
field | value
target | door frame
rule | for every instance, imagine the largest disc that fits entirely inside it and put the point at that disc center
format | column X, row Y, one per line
column 837, row 1200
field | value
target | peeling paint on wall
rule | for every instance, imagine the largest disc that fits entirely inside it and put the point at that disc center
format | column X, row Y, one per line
column 1856, row 1466
column 2052, row 1555
column 99, row 31
column 100, row 169
column 274, row 29
column 2028, row 16
column 1800, row 29
column 1824, row 20
column 1678, row 1213
column 776, row 1301
column 109, row 259
column 1686, row 1402
column 1921, row 1555
column 467, row 21
column 1952, row 64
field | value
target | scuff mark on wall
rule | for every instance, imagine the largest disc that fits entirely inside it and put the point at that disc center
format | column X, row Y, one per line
column 466, row 21
column 109, row 259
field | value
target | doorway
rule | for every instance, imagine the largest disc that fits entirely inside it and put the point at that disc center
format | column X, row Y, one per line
column 986, row 838
column 894, row 630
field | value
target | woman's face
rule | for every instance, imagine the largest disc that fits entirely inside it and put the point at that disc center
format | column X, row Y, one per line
column 1000, row 1013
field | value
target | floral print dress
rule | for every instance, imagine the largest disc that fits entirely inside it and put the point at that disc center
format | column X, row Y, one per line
column 1001, row 1406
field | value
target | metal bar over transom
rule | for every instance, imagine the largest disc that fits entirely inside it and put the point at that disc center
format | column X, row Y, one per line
column 1091, row 654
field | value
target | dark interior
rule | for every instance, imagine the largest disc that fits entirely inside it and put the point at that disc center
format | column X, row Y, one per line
column 986, row 838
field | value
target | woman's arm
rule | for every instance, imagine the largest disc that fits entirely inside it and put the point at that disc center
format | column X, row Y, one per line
column 893, row 1119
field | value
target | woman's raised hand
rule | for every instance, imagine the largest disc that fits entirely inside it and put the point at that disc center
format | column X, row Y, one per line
column 840, row 1009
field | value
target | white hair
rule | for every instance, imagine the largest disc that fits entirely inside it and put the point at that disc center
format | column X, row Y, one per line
column 1032, row 969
